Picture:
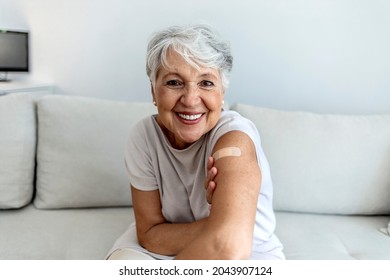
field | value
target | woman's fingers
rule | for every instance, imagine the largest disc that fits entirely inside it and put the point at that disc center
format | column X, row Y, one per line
column 210, row 191
column 210, row 184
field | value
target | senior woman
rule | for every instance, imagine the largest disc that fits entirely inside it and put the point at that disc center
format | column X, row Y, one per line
column 200, row 182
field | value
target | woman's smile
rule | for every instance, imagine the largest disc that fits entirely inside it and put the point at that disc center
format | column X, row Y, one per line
column 190, row 118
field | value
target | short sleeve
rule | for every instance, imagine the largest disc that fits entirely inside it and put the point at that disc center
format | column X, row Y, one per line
column 232, row 121
column 138, row 159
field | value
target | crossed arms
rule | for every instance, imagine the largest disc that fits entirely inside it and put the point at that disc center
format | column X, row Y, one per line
column 233, row 186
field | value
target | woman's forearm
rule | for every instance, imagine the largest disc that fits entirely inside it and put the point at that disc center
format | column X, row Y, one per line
column 170, row 239
column 154, row 232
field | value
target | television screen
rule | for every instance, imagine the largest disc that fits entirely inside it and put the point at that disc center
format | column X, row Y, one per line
column 14, row 51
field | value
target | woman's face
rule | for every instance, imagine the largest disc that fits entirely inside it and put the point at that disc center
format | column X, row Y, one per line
column 189, row 101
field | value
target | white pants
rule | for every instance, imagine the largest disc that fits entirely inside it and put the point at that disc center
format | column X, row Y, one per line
column 128, row 254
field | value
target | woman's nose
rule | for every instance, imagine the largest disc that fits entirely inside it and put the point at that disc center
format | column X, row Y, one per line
column 190, row 96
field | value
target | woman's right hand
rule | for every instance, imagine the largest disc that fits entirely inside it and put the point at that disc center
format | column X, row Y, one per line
column 210, row 184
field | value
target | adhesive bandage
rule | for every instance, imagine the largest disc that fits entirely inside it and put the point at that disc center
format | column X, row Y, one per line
column 227, row 152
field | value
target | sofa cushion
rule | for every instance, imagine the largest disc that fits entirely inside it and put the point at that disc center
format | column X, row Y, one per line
column 17, row 149
column 332, row 237
column 322, row 163
column 81, row 151
column 61, row 234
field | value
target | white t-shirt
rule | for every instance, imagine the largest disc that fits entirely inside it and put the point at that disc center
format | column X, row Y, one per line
column 179, row 175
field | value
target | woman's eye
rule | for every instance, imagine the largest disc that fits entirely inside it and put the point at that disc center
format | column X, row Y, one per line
column 174, row 83
column 206, row 84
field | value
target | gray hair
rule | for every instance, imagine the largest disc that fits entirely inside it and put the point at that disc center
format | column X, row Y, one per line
column 198, row 44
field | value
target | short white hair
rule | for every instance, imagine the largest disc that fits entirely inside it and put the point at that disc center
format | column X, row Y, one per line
column 199, row 45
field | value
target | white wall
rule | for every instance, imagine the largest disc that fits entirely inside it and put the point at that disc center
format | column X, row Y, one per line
column 321, row 56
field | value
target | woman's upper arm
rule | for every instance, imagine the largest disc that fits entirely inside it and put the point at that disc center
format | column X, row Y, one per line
column 238, row 182
column 228, row 232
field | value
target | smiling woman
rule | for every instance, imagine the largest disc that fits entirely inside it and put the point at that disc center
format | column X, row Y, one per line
column 174, row 177
column 188, row 99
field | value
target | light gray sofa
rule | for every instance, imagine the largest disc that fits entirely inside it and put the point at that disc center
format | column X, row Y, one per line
column 64, row 192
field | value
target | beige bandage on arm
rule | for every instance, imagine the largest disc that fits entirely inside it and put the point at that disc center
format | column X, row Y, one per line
column 227, row 152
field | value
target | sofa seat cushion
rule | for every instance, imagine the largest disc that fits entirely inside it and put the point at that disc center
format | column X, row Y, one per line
column 326, row 237
column 17, row 149
column 333, row 164
column 80, row 155
column 61, row 234
column 88, row 234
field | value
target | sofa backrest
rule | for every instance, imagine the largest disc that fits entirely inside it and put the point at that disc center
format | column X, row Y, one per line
column 17, row 150
column 329, row 164
column 80, row 151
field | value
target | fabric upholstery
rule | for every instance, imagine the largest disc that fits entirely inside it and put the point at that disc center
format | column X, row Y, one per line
column 61, row 234
column 332, row 237
column 326, row 163
column 88, row 234
column 17, row 150
column 80, row 156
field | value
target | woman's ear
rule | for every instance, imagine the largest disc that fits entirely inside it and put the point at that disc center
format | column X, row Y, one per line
column 153, row 94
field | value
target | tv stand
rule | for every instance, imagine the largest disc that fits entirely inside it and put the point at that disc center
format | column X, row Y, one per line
column 38, row 89
column 3, row 78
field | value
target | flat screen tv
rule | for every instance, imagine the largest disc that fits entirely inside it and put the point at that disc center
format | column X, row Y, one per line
column 14, row 51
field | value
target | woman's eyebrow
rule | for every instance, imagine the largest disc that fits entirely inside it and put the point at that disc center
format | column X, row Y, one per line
column 207, row 75
column 170, row 74
column 201, row 76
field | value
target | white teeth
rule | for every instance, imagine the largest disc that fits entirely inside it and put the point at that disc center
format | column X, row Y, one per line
column 190, row 117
